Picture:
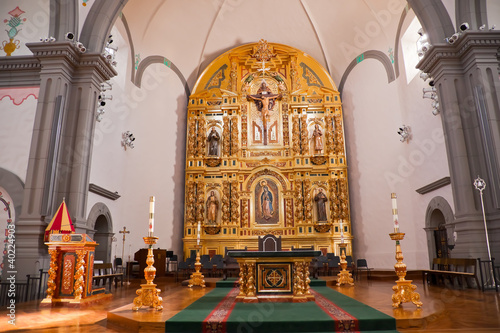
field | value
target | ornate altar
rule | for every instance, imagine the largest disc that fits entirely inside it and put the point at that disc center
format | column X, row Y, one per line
column 265, row 153
column 274, row 275
column 71, row 271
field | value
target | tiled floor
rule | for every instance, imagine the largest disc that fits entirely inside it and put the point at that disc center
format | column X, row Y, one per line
column 444, row 310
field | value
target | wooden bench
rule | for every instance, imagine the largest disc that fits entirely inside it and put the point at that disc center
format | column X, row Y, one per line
column 451, row 268
column 103, row 274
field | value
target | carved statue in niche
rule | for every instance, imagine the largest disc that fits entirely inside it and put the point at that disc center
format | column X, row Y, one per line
column 212, row 206
column 317, row 138
column 321, row 200
column 213, row 139
column 266, row 202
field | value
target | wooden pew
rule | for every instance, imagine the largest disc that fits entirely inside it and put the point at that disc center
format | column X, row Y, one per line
column 451, row 268
column 103, row 273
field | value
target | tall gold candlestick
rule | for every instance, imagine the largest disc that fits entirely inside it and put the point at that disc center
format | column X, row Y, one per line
column 344, row 277
column 148, row 295
column 197, row 278
column 404, row 291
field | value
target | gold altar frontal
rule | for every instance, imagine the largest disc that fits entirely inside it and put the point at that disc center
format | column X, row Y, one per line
column 274, row 276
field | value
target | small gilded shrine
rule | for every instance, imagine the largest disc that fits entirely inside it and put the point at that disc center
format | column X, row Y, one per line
column 265, row 154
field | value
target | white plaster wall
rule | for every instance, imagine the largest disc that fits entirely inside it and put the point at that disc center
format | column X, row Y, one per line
column 493, row 12
column 155, row 114
column 380, row 164
column 16, row 132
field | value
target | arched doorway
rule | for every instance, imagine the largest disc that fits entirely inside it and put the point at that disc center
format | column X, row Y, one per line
column 440, row 236
column 103, row 238
column 100, row 220
column 439, row 225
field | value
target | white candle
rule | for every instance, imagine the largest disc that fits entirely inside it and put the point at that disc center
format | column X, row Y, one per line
column 198, row 238
column 151, row 215
column 395, row 212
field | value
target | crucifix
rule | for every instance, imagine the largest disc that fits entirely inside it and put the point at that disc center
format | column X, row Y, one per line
column 264, row 101
column 124, row 232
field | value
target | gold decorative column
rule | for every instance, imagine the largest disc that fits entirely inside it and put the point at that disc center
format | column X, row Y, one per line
column 197, row 279
column 344, row 277
column 404, row 291
column 148, row 295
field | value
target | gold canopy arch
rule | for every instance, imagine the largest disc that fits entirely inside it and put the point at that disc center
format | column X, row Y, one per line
column 265, row 135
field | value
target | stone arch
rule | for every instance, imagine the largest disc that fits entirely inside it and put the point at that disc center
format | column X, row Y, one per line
column 64, row 18
column 101, row 230
column 373, row 54
column 15, row 187
column 398, row 37
column 438, row 213
column 434, row 19
column 159, row 60
column 98, row 24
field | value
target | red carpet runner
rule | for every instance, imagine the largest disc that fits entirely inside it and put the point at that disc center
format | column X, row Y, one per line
column 216, row 320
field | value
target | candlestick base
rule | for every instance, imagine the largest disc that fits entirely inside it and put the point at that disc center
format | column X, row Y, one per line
column 344, row 277
column 197, row 279
column 148, row 295
column 404, row 291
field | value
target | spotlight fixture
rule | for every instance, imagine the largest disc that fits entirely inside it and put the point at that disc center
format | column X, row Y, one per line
column 493, row 27
column 80, row 47
column 405, row 133
column 423, row 44
column 47, row 39
column 482, row 27
column 106, row 86
column 424, row 76
column 99, row 114
column 128, row 140
column 69, row 36
column 431, row 93
column 464, row 26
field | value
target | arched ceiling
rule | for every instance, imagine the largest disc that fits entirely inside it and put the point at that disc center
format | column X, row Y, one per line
column 193, row 33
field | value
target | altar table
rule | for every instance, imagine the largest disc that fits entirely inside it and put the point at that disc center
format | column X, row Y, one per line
column 278, row 276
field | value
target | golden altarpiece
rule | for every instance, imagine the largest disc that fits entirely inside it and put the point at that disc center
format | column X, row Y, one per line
column 265, row 154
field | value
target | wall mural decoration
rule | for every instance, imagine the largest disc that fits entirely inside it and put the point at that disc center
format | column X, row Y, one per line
column 13, row 27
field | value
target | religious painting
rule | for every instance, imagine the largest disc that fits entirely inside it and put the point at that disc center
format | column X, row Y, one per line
column 266, row 202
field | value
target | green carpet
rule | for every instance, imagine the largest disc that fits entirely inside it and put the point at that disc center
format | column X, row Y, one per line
column 331, row 312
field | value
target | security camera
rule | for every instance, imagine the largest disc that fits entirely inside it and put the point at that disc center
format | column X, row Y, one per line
column 464, row 26
column 69, row 36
